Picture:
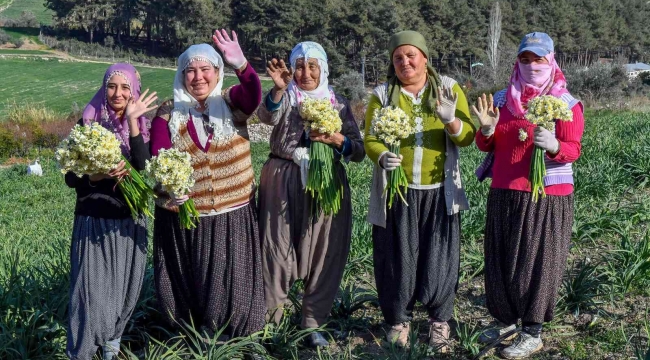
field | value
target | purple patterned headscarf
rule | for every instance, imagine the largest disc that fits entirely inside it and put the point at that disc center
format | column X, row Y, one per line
column 99, row 110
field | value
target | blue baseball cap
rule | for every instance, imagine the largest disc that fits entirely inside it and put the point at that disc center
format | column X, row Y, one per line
column 538, row 42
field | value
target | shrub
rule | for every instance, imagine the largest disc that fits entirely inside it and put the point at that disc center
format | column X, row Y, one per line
column 10, row 145
column 109, row 41
column 28, row 126
column 351, row 86
column 28, row 19
column 598, row 82
column 26, row 113
column 4, row 38
column 18, row 42
column 644, row 77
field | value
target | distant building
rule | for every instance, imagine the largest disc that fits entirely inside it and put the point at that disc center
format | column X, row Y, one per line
column 633, row 70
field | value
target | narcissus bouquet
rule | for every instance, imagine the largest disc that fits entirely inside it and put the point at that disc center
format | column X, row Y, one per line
column 391, row 125
column 172, row 169
column 543, row 111
column 94, row 149
column 322, row 182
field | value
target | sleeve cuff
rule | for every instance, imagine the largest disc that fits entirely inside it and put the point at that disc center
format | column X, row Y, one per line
column 270, row 105
column 460, row 130
column 346, row 149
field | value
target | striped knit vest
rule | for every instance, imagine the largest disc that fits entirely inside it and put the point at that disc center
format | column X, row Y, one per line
column 223, row 175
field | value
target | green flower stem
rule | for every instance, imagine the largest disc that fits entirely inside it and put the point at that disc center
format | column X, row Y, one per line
column 136, row 192
column 537, row 173
column 397, row 180
column 322, row 183
column 188, row 215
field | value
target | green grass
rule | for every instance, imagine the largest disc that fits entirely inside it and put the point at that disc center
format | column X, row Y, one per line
column 23, row 33
column 43, row 14
column 612, row 213
column 57, row 85
column 23, row 52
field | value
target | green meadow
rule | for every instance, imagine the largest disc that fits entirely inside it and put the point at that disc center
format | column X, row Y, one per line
column 16, row 8
column 57, row 84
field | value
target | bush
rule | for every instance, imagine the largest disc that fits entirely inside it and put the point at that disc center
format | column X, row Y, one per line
column 109, row 41
column 599, row 82
column 28, row 113
column 28, row 19
column 4, row 38
column 351, row 86
column 28, row 126
column 18, row 42
column 10, row 145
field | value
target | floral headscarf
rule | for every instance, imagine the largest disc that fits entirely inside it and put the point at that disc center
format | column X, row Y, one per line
column 99, row 110
column 520, row 91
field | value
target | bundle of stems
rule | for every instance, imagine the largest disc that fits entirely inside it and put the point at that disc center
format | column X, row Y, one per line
column 537, row 173
column 136, row 191
column 322, row 182
column 397, row 180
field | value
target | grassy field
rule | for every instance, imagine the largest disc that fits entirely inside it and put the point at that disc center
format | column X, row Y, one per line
column 16, row 8
column 23, row 52
column 601, row 313
column 59, row 84
column 23, row 33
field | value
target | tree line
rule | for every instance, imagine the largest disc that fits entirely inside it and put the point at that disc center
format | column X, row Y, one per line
column 355, row 32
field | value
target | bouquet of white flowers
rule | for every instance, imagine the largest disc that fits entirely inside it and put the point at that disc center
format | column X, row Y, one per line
column 543, row 111
column 391, row 125
column 173, row 170
column 322, row 182
column 94, row 149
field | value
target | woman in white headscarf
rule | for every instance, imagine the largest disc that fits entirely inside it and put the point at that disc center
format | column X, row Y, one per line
column 211, row 275
column 296, row 242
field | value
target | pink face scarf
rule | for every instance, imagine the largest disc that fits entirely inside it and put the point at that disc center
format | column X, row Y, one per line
column 532, row 80
column 100, row 111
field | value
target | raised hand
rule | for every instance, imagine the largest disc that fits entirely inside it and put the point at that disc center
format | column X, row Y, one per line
column 488, row 115
column 446, row 105
column 136, row 108
column 232, row 53
column 279, row 72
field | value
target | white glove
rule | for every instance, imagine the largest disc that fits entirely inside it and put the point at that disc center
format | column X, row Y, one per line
column 390, row 161
column 301, row 158
column 488, row 115
column 545, row 140
column 446, row 109
column 178, row 200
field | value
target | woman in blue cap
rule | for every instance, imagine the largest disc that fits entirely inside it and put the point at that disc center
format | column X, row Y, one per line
column 526, row 242
column 297, row 243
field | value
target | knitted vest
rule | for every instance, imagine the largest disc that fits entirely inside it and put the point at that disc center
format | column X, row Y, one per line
column 223, row 175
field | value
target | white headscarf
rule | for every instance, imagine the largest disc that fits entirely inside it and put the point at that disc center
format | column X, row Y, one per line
column 218, row 111
column 310, row 50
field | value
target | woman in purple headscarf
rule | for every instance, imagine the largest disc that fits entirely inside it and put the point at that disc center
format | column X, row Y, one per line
column 109, row 247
